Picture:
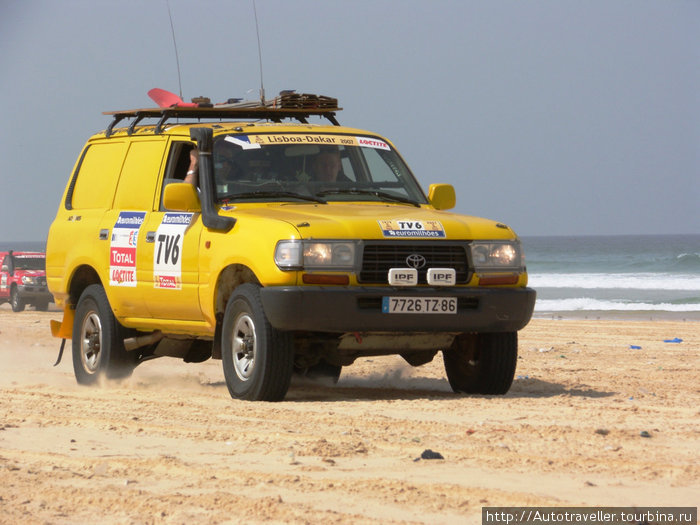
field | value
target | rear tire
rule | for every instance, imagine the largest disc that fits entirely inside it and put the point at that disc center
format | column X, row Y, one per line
column 257, row 359
column 98, row 340
column 482, row 363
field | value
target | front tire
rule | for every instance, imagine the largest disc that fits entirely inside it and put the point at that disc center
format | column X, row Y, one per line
column 257, row 359
column 482, row 363
column 16, row 301
column 98, row 340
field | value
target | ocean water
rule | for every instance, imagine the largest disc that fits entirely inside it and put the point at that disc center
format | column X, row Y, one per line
column 26, row 246
column 651, row 274
column 636, row 273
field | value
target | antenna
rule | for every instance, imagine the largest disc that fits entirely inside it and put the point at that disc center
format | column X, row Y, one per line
column 177, row 59
column 257, row 31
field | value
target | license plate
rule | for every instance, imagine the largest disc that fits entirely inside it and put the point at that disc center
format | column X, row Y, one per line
column 419, row 305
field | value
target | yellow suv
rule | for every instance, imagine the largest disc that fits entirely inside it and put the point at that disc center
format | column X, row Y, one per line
column 301, row 248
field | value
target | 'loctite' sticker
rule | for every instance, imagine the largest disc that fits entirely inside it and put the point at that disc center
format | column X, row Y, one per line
column 167, row 254
column 411, row 228
column 369, row 142
column 122, row 248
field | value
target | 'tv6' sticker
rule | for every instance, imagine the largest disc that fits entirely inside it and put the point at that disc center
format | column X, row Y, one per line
column 167, row 255
column 411, row 228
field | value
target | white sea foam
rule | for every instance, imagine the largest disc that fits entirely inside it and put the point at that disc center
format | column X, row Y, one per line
column 629, row 281
column 587, row 303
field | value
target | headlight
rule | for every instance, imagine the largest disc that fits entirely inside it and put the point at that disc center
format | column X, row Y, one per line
column 288, row 255
column 497, row 255
column 26, row 279
column 310, row 255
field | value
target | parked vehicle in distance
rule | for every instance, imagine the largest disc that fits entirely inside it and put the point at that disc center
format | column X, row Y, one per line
column 304, row 247
column 23, row 280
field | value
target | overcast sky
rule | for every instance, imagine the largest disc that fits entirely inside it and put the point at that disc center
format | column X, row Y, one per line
column 557, row 117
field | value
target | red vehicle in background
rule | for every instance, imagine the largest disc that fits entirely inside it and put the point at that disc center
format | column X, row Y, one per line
column 23, row 280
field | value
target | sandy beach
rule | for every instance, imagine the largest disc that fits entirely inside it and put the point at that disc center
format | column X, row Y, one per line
column 602, row 413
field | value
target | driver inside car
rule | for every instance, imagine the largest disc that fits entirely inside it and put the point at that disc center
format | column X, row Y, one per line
column 326, row 166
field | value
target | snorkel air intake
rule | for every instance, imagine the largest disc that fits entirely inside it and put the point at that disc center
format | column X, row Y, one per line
column 210, row 217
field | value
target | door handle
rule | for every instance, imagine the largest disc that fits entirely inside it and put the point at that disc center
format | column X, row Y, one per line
column 104, row 235
column 151, row 237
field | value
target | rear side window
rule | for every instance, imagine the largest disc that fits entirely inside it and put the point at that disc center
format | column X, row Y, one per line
column 94, row 184
column 137, row 184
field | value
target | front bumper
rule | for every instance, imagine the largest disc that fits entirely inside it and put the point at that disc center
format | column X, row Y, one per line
column 359, row 309
column 31, row 293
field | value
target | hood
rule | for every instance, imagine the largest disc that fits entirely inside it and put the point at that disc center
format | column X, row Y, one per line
column 374, row 221
column 29, row 273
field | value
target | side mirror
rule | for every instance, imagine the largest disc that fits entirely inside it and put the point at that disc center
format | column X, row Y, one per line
column 442, row 196
column 181, row 196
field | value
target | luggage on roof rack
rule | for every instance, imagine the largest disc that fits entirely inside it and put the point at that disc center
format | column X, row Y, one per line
column 285, row 106
column 305, row 101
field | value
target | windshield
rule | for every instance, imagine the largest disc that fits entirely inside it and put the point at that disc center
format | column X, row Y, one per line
column 29, row 262
column 311, row 167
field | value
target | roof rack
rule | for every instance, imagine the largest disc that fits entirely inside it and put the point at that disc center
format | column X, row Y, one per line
column 292, row 106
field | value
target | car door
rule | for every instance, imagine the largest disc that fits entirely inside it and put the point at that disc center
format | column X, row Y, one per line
column 127, row 220
column 169, row 267
column 4, row 274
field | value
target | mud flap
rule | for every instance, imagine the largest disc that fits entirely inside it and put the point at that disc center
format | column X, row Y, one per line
column 63, row 329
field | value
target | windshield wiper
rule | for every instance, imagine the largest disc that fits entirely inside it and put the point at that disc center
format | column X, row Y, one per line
column 376, row 193
column 272, row 194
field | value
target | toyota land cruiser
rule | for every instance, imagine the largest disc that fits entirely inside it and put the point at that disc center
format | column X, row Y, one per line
column 304, row 247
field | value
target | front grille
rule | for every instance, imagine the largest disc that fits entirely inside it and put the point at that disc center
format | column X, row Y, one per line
column 378, row 258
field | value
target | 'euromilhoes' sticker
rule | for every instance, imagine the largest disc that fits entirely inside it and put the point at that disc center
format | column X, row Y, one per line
column 122, row 248
column 167, row 254
column 411, row 228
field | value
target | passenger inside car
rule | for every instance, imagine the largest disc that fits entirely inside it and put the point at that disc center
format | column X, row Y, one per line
column 226, row 169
